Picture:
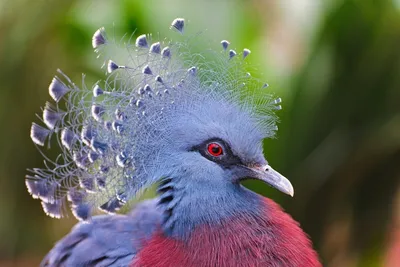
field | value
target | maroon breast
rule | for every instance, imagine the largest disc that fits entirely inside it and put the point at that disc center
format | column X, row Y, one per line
column 273, row 239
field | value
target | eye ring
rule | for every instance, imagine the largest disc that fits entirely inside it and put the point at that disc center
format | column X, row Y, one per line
column 215, row 149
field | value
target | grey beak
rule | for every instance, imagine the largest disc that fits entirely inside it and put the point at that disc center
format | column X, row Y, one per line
column 273, row 178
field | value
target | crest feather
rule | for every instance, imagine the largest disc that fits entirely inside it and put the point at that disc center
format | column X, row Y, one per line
column 109, row 135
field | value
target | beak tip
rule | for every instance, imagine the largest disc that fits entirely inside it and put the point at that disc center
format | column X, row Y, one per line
column 291, row 193
column 289, row 190
column 285, row 186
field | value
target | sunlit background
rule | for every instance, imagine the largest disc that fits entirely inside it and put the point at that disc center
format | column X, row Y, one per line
column 336, row 65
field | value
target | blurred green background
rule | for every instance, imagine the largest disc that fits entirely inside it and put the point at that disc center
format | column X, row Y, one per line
column 335, row 63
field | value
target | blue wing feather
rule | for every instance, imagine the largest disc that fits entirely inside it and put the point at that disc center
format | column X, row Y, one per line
column 106, row 240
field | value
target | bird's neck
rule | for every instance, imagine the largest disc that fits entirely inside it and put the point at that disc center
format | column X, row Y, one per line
column 185, row 208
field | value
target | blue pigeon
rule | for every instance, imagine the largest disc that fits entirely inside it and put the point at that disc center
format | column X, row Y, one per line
column 190, row 123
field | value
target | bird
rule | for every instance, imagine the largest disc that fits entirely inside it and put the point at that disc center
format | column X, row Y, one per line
column 190, row 124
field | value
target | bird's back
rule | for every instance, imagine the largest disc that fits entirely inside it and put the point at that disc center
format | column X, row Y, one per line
column 106, row 240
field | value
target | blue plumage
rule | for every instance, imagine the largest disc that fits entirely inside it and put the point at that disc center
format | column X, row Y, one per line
column 134, row 128
column 106, row 240
column 194, row 125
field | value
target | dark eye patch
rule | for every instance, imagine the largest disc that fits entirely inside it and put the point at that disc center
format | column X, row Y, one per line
column 227, row 159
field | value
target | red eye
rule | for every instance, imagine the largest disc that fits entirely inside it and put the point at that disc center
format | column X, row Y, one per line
column 215, row 149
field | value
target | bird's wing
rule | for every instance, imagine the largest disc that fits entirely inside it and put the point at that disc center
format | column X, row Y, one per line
column 106, row 240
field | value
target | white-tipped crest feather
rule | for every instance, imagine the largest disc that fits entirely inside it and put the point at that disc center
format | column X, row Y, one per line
column 112, row 136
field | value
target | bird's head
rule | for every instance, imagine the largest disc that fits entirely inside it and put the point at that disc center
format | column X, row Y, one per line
column 164, row 114
column 216, row 143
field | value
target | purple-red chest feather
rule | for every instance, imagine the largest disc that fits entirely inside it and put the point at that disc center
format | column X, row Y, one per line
column 273, row 239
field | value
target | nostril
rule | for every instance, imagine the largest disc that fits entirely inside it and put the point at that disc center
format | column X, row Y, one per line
column 267, row 169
